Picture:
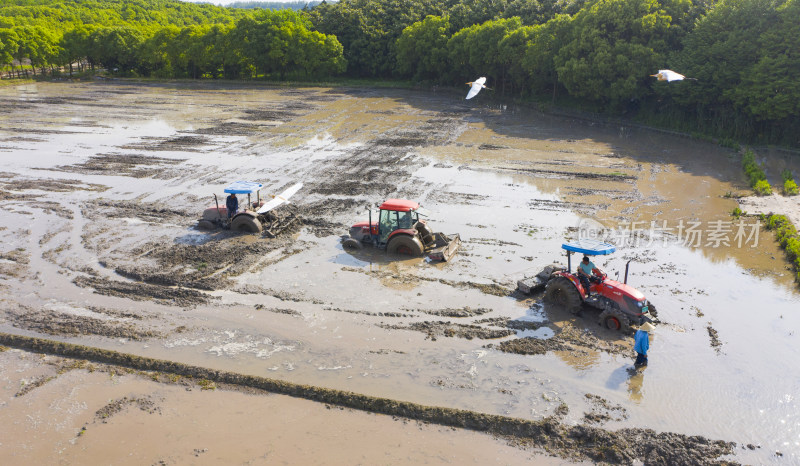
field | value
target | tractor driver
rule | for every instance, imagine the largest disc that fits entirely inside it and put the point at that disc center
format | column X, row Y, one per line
column 586, row 269
column 232, row 203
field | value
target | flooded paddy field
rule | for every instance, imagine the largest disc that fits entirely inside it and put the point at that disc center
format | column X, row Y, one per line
column 103, row 183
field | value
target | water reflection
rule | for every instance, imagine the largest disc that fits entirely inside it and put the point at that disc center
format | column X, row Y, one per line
column 632, row 377
column 635, row 382
column 580, row 360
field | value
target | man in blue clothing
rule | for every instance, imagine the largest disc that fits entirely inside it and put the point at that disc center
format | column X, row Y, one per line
column 641, row 343
column 585, row 268
column 232, row 203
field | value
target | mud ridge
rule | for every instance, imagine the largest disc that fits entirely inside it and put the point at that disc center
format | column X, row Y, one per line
column 142, row 292
column 131, row 165
column 59, row 323
column 573, row 442
column 448, row 329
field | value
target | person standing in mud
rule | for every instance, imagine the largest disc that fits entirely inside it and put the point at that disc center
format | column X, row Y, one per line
column 641, row 343
column 232, row 203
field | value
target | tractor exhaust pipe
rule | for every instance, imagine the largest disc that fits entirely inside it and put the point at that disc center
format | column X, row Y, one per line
column 627, row 264
column 216, row 202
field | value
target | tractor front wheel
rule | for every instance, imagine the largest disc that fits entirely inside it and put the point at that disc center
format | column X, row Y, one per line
column 612, row 318
column 205, row 225
column 246, row 223
column 352, row 244
column 562, row 292
column 404, row 244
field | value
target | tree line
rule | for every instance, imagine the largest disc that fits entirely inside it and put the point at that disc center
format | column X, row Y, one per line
column 166, row 39
column 595, row 54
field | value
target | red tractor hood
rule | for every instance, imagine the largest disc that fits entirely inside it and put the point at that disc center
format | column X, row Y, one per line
column 625, row 289
column 363, row 225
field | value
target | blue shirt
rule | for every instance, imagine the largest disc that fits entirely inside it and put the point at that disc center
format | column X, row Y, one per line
column 640, row 342
column 587, row 268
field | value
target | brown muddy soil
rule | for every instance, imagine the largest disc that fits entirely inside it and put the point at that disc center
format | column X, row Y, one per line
column 122, row 250
column 575, row 337
column 60, row 323
column 136, row 166
column 580, row 442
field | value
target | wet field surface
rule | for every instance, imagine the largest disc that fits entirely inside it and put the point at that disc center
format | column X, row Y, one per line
column 103, row 184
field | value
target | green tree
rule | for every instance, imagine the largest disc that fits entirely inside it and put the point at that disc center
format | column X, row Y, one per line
column 612, row 47
column 476, row 50
column 8, row 47
column 769, row 88
column 116, row 48
column 539, row 59
column 75, row 45
column 422, row 49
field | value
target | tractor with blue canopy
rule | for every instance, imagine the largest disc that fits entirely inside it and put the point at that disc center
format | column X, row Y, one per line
column 621, row 304
column 256, row 216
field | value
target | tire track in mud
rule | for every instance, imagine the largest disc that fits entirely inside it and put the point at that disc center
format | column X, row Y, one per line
column 577, row 442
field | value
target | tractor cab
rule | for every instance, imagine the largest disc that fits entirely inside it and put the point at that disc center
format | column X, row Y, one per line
column 396, row 216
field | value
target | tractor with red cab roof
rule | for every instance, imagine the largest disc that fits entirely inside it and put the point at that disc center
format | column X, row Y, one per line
column 401, row 230
column 621, row 304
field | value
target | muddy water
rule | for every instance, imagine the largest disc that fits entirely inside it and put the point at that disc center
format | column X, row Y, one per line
column 74, row 416
column 103, row 183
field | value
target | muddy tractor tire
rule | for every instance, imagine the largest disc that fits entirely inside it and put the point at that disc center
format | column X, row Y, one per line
column 352, row 244
column 562, row 292
column 246, row 223
column 406, row 245
column 613, row 318
column 652, row 309
column 205, row 225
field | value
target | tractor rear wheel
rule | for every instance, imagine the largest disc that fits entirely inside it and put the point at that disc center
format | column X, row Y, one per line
column 562, row 292
column 352, row 244
column 404, row 244
column 613, row 318
column 246, row 223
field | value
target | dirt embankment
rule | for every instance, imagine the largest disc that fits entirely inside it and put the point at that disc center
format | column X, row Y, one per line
column 579, row 442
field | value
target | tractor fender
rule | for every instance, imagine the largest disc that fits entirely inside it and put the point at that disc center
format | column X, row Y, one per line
column 573, row 279
column 246, row 213
column 404, row 231
column 214, row 213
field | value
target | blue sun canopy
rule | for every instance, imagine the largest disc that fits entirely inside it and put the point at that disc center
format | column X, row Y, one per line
column 243, row 187
column 590, row 247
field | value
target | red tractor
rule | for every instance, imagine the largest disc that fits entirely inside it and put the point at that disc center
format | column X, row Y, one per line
column 621, row 303
column 400, row 230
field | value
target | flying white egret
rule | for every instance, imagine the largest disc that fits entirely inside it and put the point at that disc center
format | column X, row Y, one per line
column 669, row 76
column 477, row 85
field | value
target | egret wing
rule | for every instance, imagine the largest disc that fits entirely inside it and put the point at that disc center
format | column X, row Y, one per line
column 670, row 75
column 476, row 87
column 280, row 198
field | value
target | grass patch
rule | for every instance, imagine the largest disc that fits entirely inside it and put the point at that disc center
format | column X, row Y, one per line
column 756, row 175
column 786, row 233
column 789, row 184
